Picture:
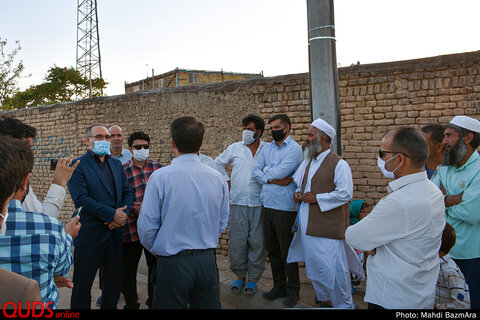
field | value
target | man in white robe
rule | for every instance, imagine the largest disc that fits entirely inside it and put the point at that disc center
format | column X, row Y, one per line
column 325, row 258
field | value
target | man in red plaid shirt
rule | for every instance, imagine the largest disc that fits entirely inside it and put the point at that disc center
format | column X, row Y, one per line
column 138, row 171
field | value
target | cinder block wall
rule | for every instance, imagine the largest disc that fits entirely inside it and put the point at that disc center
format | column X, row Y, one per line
column 374, row 98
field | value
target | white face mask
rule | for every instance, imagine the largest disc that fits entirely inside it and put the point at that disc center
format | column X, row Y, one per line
column 381, row 164
column 248, row 137
column 141, row 155
column 3, row 229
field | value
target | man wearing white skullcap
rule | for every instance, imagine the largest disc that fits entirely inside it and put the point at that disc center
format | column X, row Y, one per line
column 324, row 191
column 459, row 180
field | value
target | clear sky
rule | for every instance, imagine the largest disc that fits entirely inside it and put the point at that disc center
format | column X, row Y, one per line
column 234, row 35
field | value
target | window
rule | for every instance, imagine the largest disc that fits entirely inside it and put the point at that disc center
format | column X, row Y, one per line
column 193, row 77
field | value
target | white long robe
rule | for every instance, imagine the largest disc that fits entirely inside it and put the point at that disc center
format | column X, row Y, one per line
column 324, row 258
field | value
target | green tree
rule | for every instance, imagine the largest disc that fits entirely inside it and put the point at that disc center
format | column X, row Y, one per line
column 61, row 84
column 10, row 71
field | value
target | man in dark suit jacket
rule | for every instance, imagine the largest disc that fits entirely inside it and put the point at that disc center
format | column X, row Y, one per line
column 100, row 186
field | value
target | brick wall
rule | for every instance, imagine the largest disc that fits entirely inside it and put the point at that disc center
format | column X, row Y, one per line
column 374, row 99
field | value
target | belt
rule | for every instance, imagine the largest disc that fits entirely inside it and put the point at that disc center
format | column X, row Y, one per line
column 188, row 252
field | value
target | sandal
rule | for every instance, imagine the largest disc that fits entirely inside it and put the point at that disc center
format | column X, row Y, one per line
column 237, row 286
column 250, row 288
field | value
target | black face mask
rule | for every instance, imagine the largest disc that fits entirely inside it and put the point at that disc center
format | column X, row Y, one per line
column 278, row 135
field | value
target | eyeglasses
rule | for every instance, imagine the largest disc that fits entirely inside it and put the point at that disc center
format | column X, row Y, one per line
column 140, row 146
column 381, row 153
column 100, row 137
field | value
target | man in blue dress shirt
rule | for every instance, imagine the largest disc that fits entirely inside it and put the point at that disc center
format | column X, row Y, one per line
column 273, row 168
column 185, row 209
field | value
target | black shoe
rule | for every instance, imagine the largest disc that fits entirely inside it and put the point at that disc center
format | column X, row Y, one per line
column 290, row 300
column 275, row 293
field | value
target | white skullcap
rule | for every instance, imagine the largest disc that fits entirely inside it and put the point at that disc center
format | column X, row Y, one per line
column 466, row 123
column 321, row 124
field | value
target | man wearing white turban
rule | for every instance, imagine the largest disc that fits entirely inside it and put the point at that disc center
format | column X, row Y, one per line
column 324, row 192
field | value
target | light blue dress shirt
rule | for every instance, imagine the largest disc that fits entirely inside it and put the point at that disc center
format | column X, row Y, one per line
column 465, row 216
column 273, row 163
column 124, row 157
column 185, row 207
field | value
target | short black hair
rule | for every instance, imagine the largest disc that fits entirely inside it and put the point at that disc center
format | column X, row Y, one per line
column 411, row 142
column 436, row 132
column 257, row 121
column 448, row 238
column 283, row 118
column 16, row 161
column 187, row 133
column 137, row 135
column 16, row 128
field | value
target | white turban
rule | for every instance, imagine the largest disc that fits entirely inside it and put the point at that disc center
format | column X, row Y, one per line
column 322, row 125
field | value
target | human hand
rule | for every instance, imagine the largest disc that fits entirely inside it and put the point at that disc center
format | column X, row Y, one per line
column 63, row 171
column 282, row 182
column 120, row 216
column 309, row 197
column 73, row 227
column 452, row 200
column 62, row 282
column 297, row 197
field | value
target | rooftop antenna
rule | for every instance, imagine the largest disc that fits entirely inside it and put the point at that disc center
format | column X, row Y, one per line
column 88, row 41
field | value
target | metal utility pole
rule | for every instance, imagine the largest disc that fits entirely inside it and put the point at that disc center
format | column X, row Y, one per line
column 88, row 41
column 324, row 97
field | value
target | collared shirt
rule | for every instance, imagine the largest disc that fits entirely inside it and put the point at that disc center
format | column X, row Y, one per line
column 405, row 228
column 244, row 190
column 124, row 157
column 465, row 216
column 37, row 247
column 137, row 178
column 185, row 207
column 452, row 291
column 52, row 203
column 273, row 163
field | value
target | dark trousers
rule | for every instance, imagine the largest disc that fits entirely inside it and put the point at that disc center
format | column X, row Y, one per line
column 87, row 260
column 277, row 231
column 132, row 251
column 471, row 270
column 187, row 280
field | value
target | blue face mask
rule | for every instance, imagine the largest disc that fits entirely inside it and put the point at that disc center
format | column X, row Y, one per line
column 101, row 147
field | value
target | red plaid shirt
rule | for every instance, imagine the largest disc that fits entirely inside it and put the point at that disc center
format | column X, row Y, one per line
column 138, row 178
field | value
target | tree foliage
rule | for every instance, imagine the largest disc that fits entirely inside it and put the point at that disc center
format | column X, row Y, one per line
column 10, row 71
column 61, row 84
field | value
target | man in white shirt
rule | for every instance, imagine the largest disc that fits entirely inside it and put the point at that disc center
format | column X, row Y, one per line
column 53, row 201
column 245, row 230
column 403, row 232
column 184, row 211
column 325, row 188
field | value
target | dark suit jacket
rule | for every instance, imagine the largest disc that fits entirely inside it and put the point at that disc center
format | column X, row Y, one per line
column 89, row 189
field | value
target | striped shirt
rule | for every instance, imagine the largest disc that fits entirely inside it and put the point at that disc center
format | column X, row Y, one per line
column 452, row 291
column 37, row 247
column 137, row 178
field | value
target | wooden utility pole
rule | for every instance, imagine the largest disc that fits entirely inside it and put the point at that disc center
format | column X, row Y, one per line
column 324, row 97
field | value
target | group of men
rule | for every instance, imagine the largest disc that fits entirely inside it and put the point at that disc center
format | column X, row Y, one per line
column 281, row 200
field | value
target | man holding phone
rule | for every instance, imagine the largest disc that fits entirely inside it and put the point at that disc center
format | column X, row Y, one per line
column 53, row 201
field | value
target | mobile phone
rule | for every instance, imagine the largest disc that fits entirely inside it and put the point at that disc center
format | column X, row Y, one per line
column 53, row 164
column 76, row 213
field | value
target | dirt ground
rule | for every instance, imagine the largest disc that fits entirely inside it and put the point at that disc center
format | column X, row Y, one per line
column 307, row 293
